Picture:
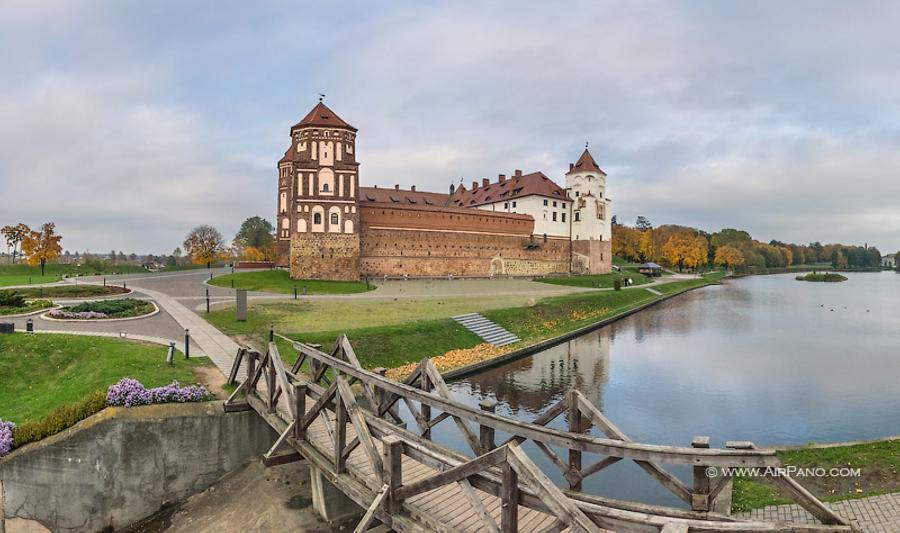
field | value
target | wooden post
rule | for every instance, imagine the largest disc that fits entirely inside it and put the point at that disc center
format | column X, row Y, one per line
column 340, row 435
column 271, row 382
column 392, row 459
column 575, row 426
column 700, row 493
column 379, row 392
column 486, row 433
column 426, row 409
column 299, row 409
column 251, row 368
column 509, row 497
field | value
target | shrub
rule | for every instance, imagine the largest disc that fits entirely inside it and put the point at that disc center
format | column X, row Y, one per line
column 617, row 284
column 125, row 307
column 130, row 392
column 6, row 437
column 11, row 299
column 62, row 417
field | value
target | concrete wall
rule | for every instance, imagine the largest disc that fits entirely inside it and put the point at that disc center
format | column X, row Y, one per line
column 124, row 464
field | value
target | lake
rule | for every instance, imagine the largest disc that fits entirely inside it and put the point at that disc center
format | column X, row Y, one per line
column 764, row 358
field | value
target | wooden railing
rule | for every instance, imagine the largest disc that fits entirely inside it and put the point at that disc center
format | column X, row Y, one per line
column 335, row 389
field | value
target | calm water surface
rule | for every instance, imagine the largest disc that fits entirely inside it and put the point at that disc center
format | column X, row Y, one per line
column 765, row 358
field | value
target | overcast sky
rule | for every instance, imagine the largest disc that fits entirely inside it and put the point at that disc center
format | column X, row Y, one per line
column 129, row 122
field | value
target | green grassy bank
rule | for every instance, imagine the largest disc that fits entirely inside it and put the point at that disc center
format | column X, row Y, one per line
column 41, row 372
column 279, row 281
column 396, row 344
column 878, row 464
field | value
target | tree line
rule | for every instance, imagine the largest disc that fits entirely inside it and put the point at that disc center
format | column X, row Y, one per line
column 684, row 247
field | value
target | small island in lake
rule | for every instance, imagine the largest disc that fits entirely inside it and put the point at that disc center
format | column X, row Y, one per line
column 827, row 277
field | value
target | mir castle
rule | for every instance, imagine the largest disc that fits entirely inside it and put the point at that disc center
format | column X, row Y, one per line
column 329, row 227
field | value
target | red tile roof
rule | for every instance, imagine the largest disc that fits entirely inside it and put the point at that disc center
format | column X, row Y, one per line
column 321, row 115
column 586, row 163
column 513, row 187
column 402, row 197
column 287, row 156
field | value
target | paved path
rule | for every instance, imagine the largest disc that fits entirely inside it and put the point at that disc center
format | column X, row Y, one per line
column 877, row 514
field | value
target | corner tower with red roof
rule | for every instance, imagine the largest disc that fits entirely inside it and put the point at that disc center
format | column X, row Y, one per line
column 318, row 199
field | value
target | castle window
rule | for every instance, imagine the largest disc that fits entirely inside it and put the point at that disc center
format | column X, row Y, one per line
column 563, row 217
column 577, row 216
column 577, row 194
column 334, row 218
column 564, row 205
column 317, row 218
column 545, row 201
column 514, row 205
column 554, row 203
column 554, row 216
column 324, row 187
column 506, row 205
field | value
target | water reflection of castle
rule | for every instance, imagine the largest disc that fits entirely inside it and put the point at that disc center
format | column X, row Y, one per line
column 533, row 383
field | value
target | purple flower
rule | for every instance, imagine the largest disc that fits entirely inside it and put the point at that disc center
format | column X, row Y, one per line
column 6, row 437
column 128, row 392
column 81, row 315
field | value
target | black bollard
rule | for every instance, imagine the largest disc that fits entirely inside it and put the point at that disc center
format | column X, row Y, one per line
column 295, row 292
column 272, row 333
column 207, row 300
column 104, row 281
column 187, row 343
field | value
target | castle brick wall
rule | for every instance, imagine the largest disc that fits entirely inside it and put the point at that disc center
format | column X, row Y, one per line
column 439, row 253
column 332, row 256
column 591, row 257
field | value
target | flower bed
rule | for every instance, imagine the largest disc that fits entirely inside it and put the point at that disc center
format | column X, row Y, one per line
column 6, row 437
column 27, row 308
column 130, row 392
column 104, row 310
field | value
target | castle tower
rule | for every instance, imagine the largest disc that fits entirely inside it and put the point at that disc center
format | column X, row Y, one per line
column 318, row 199
column 591, row 228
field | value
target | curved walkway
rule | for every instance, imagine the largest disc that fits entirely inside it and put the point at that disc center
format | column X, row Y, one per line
column 876, row 514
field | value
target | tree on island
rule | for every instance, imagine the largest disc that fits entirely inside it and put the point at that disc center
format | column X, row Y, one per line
column 204, row 244
column 255, row 240
column 42, row 246
column 14, row 236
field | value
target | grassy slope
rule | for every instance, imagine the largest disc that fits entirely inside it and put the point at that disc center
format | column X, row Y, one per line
column 601, row 281
column 280, row 281
column 398, row 344
column 69, row 291
column 338, row 315
column 22, row 274
column 879, row 463
column 40, row 372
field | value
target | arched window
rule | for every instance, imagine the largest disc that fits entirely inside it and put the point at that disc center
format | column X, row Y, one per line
column 317, row 218
column 334, row 218
column 325, row 187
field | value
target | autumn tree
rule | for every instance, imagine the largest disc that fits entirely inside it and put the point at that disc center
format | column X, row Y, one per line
column 729, row 256
column 42, row 246
column 685, row 250
column 204, row 244
column 646, row 245
column 14, row 236
column 255, row 240
column 625, row 242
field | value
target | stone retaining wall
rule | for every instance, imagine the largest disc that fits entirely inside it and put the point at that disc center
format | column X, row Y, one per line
column 124, row 464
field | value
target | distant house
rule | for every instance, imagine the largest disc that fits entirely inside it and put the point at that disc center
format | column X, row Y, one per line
column 889, row 261
column 650, row 269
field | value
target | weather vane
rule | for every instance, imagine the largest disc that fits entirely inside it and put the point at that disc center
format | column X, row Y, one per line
column 321, row 97
column 585, row 145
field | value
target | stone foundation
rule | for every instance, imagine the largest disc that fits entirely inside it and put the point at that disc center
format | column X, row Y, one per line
column 333, row 256
column 591, row 257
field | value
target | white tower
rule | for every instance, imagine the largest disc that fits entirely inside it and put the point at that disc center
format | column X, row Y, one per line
column 586, row 184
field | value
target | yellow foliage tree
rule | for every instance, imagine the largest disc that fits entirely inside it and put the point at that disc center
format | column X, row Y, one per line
column 728, row 256
column 646, row 245
column 41, row 246
column 625, row 242
column 204, row 244
column 685, row 250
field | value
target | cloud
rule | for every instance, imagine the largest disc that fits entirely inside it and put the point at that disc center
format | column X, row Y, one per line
column 129, row 122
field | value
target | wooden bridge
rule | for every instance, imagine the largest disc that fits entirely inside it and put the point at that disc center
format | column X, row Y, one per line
column 346, row 422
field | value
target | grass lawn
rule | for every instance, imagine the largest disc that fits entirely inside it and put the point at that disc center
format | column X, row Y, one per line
column 280, row 281
column 29, row 307
column 343, row 315
column 22, row 274
column 879, row 465
column 40, row 372
column 70, row 291
column 600, row 281
column 396, row 344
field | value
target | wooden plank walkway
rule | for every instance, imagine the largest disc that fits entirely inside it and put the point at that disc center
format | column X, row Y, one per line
column 446, row 504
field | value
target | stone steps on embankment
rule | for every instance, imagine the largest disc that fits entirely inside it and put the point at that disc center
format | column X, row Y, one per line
column 488, row 331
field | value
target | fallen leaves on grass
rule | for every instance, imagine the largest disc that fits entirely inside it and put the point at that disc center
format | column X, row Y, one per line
column 452, row 359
